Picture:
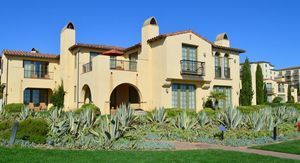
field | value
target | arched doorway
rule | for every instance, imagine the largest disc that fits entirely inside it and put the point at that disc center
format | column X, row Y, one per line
column 86, row 94
column 125, row 94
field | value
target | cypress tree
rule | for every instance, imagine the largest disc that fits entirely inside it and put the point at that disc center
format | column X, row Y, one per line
column 259, row 86
column 289, row 94
column 298, row 89
column 246, row 93
column 265, row 93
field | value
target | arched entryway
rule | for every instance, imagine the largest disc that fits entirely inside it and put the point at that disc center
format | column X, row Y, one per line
column 125, row 94
column 86, row 94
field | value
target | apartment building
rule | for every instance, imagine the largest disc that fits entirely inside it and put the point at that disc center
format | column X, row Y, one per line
column 174, row 70
column 275, row 84
column 291, row 75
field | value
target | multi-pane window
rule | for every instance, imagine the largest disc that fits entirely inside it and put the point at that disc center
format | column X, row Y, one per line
column 189, row 54
column 35, row 96
column 183, row 96
column 226, row 67
column 35, row 69
column 113, row 62
column 218, row 69
column 227, row 91
column 133, row 61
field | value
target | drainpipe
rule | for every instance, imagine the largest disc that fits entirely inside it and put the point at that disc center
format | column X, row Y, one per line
column 77, row 94
column 6, row 93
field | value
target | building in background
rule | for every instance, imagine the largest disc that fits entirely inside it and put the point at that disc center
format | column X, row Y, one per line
column 276, row 84
column 174, row 70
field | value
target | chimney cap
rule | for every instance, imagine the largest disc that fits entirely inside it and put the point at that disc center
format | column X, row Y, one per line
column 150, row 21
column 34, row 50
column 222, row 36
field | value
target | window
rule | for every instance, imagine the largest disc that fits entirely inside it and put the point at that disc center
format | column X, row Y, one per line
column 35, row 96
column 133, row 61
column 35, row 69
column 189, row 53
column 74, row 93
column 226, row 66
column 113, row 62
column 218, row 69
column 92, row 55
column 183, row 96
column 227, row 91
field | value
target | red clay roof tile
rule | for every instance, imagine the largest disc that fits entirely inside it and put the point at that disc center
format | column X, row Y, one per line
column 29, row 54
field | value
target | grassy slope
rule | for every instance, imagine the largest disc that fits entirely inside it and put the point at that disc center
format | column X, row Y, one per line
column 285, row 147
column 38, row 155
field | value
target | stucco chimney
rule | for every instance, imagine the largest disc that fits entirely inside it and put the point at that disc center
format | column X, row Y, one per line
column 222, row 40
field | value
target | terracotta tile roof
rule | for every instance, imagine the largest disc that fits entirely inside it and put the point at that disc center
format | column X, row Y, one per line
column 96, row 46
column 162, row 36
column 29, row 54
column 113, row 52
column 133, row 47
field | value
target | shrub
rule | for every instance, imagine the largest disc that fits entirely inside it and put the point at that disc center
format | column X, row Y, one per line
column 13, row 107
column 277, row 100
column 58, row 95
column 209, row 103
column 5, row 129
column 33, row 130
column 91, row 106
column 251, row 109
column 173, row 112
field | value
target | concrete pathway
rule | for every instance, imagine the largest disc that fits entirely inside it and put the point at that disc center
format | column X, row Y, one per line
column 193, row 146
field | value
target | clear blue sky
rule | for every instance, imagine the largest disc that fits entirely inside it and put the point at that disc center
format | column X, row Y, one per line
column 267, row 30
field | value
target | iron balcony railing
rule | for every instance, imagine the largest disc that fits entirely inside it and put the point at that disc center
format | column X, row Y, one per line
column 227, row 72
column 124, row 65
column 87, row 67
column 34, row 74
column 218, row 72
column 190, row 67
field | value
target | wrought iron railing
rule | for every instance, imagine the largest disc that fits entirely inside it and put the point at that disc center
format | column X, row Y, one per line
column 192, row 67
column 87, row 67
column 33, row 74
column 124, row 65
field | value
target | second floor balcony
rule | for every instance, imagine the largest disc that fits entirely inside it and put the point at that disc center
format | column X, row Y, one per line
column 125, row 65
column 189, row 67
column 37, row 74
column 87, row 67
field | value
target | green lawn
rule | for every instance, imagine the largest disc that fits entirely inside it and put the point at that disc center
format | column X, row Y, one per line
column 286, row 147
column 40, row 155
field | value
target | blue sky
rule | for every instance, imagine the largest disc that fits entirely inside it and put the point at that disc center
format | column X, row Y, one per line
column 267, row 30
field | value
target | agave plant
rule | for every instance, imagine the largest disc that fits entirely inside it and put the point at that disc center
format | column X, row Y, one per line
column 280, row 115
column 184, row 121
column 203, row 119
column 110, row 130
column 256, row 120
column 125, row 116
column 230, row 117
column 25, row 112
column 159, row 115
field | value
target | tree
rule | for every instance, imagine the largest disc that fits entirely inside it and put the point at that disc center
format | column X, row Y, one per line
column 265, row 94
column 58, row 95
column 259, row 86
column 217, row 96
column 246, row 93
column 298, row 89
column 290, row 98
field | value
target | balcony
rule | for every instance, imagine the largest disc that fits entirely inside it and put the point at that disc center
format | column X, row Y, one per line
column 87, row 67
column 227, row 72
column 123, row 65
column 33, row 74
column 189, row 67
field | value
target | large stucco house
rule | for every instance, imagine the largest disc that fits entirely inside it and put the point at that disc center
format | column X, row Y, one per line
column 174, row 70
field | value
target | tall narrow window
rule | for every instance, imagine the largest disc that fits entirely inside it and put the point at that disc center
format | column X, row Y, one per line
column 133, row 61
column 226, row 66
column 183, row 96
column 218, row 68
column 189, row 56
column 227, row 91
column 74, row 93
column 113, row 62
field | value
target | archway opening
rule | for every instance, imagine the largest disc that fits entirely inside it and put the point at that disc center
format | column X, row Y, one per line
column 124, row 94
column 86, row 94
